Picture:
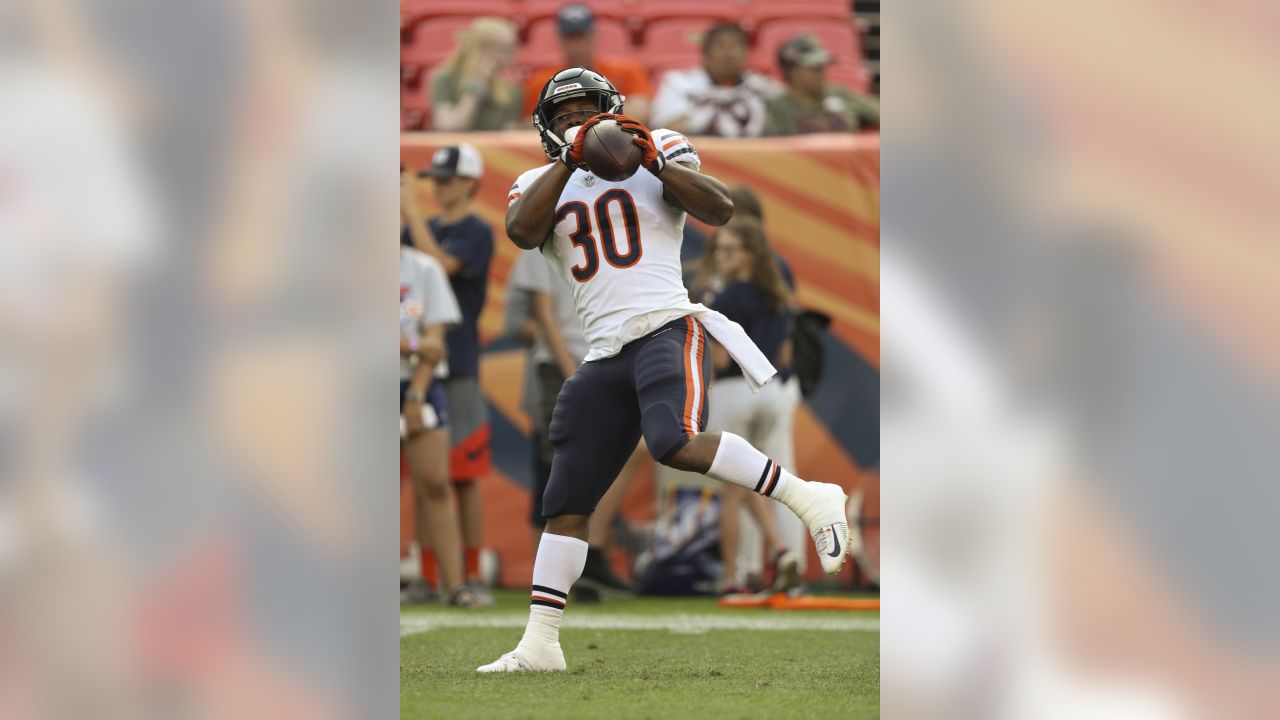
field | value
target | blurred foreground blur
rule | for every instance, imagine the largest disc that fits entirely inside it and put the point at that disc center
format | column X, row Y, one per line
column 187, row 194
column 1079, row 409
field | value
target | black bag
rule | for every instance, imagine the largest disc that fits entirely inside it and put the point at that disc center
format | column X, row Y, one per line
column 809, row 341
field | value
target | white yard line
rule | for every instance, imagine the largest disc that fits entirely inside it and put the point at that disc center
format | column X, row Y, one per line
column 682, row 623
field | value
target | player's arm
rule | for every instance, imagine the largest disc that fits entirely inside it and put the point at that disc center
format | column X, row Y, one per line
column 702, row 196
column 532, row 215
column 421, row 235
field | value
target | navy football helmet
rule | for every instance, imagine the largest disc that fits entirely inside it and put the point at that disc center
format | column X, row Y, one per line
column 569, row 84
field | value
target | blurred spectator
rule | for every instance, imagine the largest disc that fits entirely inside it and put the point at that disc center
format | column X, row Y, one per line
column 427, row 307
column 720, row 98
column 741, row 280
column 468, row 91
column 747, row 203
column 810, row 104
column 463, row 244
column 578, row 41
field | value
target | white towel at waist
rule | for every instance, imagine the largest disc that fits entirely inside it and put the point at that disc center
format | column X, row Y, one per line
column 756, row 368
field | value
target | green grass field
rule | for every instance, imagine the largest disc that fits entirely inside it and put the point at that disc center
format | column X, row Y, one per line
column 644, row 658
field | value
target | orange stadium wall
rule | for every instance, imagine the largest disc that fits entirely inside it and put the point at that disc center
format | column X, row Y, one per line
column 821, row 195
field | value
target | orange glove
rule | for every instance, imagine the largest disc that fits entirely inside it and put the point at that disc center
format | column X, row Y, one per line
column 653, row 160
column 571, row 155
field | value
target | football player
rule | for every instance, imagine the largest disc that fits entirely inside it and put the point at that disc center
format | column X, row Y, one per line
column 617, row 246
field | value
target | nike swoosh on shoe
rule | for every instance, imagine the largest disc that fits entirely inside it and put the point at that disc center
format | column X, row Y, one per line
column 835, row 538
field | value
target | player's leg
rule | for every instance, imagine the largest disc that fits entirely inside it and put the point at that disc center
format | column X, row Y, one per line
column 728, row 458
column 595, row 426
column 671, row 381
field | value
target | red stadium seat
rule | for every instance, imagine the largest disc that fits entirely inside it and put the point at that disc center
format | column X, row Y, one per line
column 529, row 58
column 765, row 68
column 415, row 110
column 708, row 10
column 432, row 43
column 760, row 13
column 532, row 11
column 612, row 38
column 677, row 41
column 414, row 12
column 839, row 37
column 451, row 8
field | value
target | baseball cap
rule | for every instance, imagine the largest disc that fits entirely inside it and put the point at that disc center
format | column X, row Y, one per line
column 456, row 161
column 575, row 18
column 803, row 50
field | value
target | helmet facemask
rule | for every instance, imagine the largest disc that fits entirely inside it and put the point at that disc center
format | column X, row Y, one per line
column 583, row 84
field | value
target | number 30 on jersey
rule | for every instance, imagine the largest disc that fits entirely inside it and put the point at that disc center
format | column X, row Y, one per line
column 608, row 241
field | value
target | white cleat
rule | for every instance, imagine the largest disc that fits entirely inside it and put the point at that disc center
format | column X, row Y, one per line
column 525, row 658
column 821, row 508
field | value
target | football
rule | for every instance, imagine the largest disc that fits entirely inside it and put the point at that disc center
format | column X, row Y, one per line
column 611, row 152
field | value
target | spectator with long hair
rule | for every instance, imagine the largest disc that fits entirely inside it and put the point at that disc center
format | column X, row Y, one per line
column 468, row 90
column 739, row 277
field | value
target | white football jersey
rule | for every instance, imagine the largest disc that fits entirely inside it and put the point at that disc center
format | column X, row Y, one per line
column 617, row 246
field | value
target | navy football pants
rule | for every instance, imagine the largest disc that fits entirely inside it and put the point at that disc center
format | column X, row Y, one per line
column 655, row 387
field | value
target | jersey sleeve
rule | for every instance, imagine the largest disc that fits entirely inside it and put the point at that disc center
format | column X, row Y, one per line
column 514, row 193
column 677, row 148
column 441, row 307
column 523, row 182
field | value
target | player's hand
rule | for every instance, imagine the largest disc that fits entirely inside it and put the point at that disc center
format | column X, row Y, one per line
column 653, row 160
column 571, row 154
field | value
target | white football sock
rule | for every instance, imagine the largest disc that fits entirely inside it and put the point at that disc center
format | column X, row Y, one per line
column 739, row 463
column 556, row 568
